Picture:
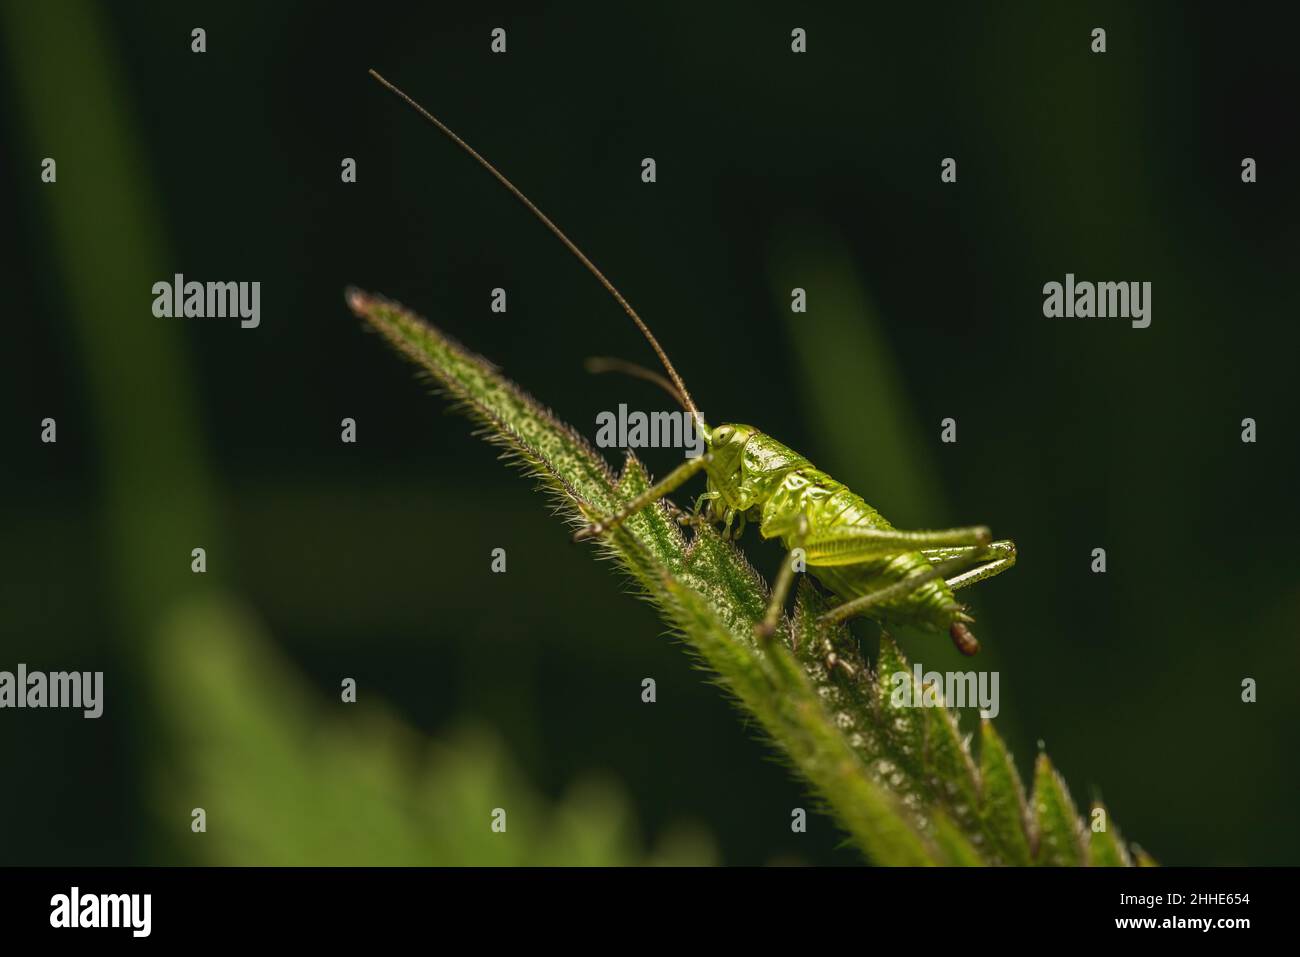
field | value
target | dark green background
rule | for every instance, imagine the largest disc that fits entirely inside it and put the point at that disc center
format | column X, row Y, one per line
column 774, row 170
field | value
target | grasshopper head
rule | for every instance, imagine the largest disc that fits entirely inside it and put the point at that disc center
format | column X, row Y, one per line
column 727, row 444
column 746, row 465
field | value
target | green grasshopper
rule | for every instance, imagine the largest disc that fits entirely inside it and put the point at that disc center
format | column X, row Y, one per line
column 876, row 570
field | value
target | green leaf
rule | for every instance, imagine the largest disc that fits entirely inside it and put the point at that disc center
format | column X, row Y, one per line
column 288, row 778
column 1106, row 846
column 1057, row 826
column 899, row 779
column 1002, row 800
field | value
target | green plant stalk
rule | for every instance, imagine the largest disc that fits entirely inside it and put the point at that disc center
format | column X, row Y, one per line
column 901, row 781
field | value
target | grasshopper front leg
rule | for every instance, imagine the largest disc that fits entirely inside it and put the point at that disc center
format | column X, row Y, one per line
column 670, row 483
column 781, row 587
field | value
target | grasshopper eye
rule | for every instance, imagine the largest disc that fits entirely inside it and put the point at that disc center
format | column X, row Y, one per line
column 723, row 434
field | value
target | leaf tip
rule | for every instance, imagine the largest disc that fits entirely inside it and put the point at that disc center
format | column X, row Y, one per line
column 357, row 300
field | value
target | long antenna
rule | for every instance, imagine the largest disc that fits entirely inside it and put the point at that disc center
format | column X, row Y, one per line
column 599, row 364
column 514, row 190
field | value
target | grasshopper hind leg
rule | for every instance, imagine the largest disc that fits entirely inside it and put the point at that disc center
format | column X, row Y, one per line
column 957, row 566
column 995, row 558
column 1001, row 556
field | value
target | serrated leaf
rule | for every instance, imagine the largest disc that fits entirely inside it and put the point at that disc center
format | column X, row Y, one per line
column 897, row 777
column 1002, row 799
column 777, row 691
column 1056, row 821
column 1106, row 846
